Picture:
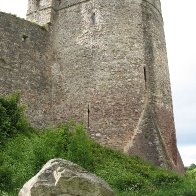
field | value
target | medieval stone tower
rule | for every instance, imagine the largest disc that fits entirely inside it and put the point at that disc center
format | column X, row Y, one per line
column 102, row 62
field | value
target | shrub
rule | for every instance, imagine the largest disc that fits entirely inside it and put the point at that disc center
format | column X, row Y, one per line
column 5, row 179
column 22, row 156
column 191, row 167
column 48, row 145
column 12, row 119
column 80, row 148
column 18, row 157
column 192, row 173
column 165, row 179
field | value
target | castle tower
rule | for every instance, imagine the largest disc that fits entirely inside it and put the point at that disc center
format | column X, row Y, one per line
column 111, row 72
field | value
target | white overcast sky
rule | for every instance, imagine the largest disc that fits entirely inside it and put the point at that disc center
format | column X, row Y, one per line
column 180, row 29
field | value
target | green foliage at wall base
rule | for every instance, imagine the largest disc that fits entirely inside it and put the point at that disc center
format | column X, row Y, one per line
column 22, row 155
column 12, row 119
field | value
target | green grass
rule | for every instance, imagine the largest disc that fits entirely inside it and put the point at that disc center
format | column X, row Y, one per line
column 25, row 151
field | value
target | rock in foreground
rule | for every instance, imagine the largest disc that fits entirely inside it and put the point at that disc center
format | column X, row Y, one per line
column 59, row 177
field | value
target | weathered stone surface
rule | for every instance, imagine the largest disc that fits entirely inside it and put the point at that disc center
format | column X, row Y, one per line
column 59, row 177
column 25, row 65
column 102, row 62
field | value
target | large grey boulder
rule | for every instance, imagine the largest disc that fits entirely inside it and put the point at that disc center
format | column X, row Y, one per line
column 59, row 177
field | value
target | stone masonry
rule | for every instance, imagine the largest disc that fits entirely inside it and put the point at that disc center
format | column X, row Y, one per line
column 97, row 61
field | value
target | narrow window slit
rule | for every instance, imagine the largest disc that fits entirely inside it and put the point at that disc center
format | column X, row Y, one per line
column 93, row 17
column 88, row 116
column 145, row 77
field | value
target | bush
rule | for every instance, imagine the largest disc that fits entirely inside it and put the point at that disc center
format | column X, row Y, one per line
column 12, row 119
column 191, row 167
column 192, row 173
column 5, row 179
column 165, row 179
column 22, row 156
column 48, row 145
column 18, row 157
column 80, row 148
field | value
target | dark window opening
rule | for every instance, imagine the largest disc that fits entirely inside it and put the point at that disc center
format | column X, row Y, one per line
column 93, row 18
column 145, row 77
column 24, row 37
column 88, row 116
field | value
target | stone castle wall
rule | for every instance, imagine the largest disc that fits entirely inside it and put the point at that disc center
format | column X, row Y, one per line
column 156, row 129
column 24, row 65
column 113, row 75
column 103, row 63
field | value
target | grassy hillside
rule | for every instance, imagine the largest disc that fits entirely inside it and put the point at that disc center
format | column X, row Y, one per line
column 24, row 150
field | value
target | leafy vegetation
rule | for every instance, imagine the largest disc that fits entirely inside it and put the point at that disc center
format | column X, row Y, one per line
column 22, row 155
column 191, row 171
column 12, row 119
